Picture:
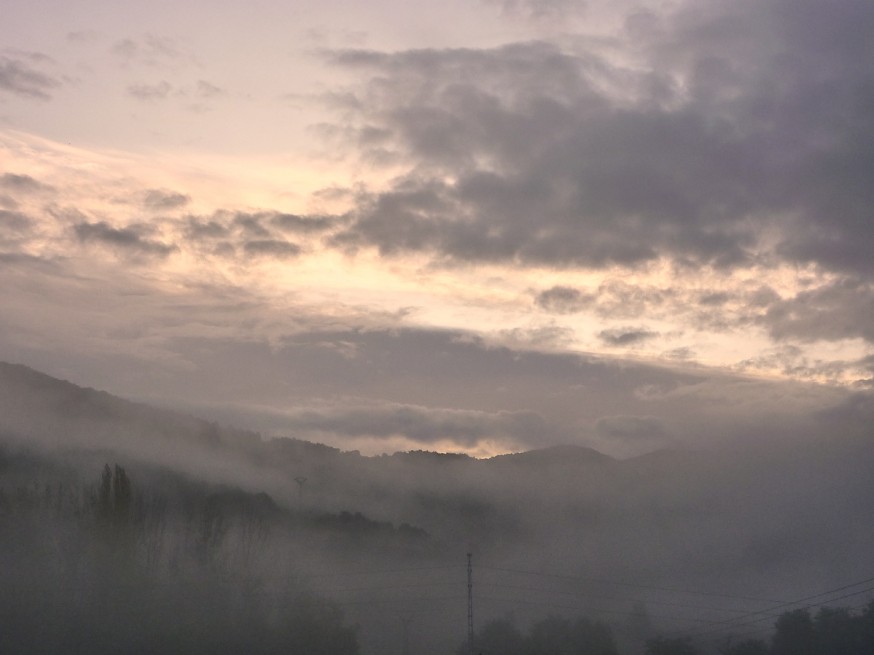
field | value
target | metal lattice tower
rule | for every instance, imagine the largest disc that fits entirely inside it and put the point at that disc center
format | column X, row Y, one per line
column 469, row 605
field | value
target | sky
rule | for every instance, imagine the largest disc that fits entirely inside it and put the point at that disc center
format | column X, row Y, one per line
column 482, row 226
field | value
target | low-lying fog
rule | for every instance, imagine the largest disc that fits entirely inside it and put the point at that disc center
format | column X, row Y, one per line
column 215, row 535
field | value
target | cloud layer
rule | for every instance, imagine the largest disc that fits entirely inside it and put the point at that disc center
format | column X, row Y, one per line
column 740, row 135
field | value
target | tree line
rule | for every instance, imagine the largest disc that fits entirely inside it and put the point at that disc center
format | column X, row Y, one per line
column 105, row 568
column 828, row 631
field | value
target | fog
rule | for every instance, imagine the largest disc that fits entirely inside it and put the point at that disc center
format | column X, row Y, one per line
column 225, row 534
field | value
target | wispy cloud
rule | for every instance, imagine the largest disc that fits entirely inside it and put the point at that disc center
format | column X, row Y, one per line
column 24, row 75
column 130, row 239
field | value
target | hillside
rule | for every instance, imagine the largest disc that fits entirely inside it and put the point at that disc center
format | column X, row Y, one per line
column 754, row 522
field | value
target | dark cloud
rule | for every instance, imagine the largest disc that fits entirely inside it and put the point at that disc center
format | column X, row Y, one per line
column 162, row 200
column 305, row 224
column 206, row 89
column 250, row 225
column 620, row 300
column 572, row 180
column 83, row 36
column 855, row 415
column 126, row 48
column 261, row 233
column 272, row 248
column 750, row 116
column 14, row 222
column 201, row 229
column 841, row 310
column 21, row 75
column 131, row 240
column 539, row 9
column 25, row 261
column 152, row 51
column 626, row 336
column 683, row 353
column 15, row 230
column 150, row 92
column 22, row 184
column 714, row 298
column 545, row 336
column 563, row 300
column 262, row 223
column 634, row 428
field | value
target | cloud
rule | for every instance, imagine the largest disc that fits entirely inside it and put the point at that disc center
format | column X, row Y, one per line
column 16, row 229
column 206, row 90
column 794, row 362
column 539, row 9
column 272, row 248
column 22, row 184
column 199, row 229
column 424, row 425
column 161, row 199
column 130, row 240
column 305, row 224
column 13, row 221
column 563, row 300
column 21, row 75
column 841, row 310
column 738, row 120
column 622, row 206
column 150, row 92
column 152, row 51
column 626, row 336
column 83, row 36
column 544, row 336
column 631, row 428
column 255, row 233
column 620, row 300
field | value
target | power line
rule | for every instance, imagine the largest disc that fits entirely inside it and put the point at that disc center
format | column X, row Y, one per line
column 580, row 594
column 589, row 609
column 633, row 585
column 739, row 621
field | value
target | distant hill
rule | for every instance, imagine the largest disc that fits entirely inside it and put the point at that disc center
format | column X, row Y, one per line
column 563, row 455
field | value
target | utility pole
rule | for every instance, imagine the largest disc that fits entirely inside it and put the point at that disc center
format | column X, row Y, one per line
column 469, row 605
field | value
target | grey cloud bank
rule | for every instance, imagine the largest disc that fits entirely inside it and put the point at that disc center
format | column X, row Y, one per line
column 742, row 120
column 378, row 389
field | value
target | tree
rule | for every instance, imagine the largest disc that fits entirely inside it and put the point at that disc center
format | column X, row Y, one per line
column 794, row 634
column 670, row 646
column 499, row 637
column 554, row 635
column 838, row 632
column 746, row 647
